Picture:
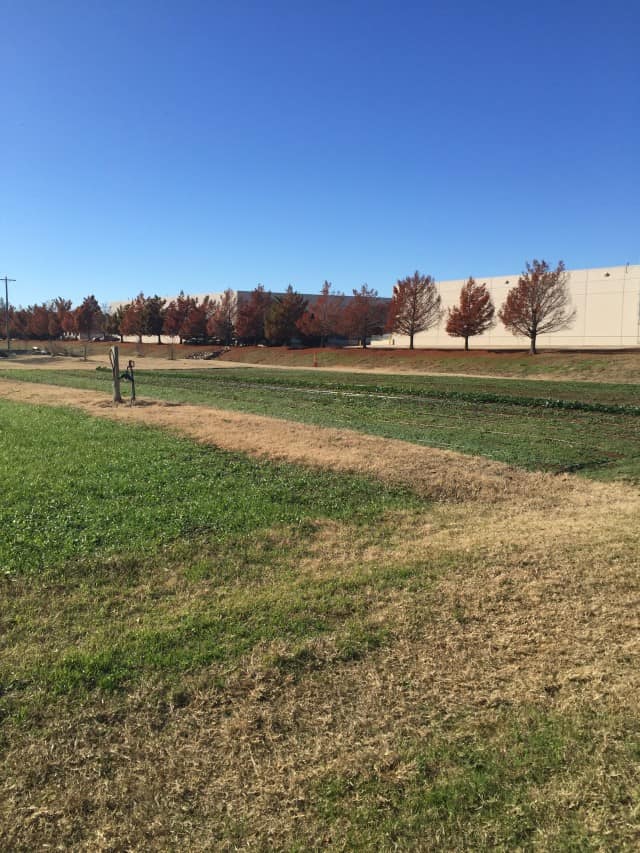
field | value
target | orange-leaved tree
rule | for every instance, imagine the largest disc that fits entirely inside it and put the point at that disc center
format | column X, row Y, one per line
column 251, row 315
column 222, row 319
column 59, row 309
column 87, row 317
column 133, row 318
column 176, row 314
column 364, row 315
column 415, row 306
column 473, row 314
column 539, row 303
column 322, row 317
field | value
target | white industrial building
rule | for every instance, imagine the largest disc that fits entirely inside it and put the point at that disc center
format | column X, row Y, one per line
column 607, row 303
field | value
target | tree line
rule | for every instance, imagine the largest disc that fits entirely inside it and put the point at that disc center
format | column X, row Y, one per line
column 539, row 303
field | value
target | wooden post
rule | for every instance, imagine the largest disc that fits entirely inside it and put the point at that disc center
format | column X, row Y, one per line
column 130, row 367
column 115, row 371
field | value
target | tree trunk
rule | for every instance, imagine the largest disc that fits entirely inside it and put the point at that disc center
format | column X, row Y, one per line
column 159, row 341
column 532, row 348
column 466, row 343
column 411, row 341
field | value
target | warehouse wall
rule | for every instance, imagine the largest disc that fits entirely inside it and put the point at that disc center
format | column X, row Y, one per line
column 607, row 302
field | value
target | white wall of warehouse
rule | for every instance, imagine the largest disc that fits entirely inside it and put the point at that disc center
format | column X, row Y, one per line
column 607, row 303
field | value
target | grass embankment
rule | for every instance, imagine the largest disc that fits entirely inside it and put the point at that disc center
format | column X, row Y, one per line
column 591, row 428
column 202, row 651
column 81, row 350
column 615, row 366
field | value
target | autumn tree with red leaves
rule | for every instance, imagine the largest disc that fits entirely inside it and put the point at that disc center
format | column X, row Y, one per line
column 364, row 315
column 322, row 317
column 59, row 309
column 87, row 318
column 415, row 306
column 474, row 313
column 176, row 314
column 539, row 303
column 222, row 318
column 251, row 316
column 18, row 322
column 38, row 321
column 134, row 319
column 195, row 322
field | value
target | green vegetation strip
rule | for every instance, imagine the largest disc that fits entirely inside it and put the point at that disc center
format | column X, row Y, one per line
column 80, row 488
column 585, row 427
column 580, row 396
column 586, row 397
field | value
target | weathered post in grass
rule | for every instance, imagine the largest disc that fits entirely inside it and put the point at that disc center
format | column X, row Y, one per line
column 115, row 373
column 129, row 376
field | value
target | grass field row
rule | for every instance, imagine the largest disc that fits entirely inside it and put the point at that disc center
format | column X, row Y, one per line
column 202, row 651
column 504, row 420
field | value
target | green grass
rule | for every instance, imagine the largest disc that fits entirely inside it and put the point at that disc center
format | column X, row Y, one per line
column 202, row 382
column 553, row 426
column 80, row 488
column 99, row 515
column 508, row 783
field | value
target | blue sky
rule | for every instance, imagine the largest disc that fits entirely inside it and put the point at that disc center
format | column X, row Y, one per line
column 163, row 145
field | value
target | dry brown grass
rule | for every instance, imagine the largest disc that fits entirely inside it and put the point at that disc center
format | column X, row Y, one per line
column 525, row 593
column 532, row 611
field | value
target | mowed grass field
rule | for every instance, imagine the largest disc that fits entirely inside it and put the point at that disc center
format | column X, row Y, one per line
column 204, row 649
column 590, row 427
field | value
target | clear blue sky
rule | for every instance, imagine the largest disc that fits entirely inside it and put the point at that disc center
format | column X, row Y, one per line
column 156, row 145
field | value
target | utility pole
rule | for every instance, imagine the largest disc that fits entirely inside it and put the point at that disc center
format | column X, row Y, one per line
column 6, row 280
